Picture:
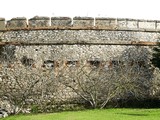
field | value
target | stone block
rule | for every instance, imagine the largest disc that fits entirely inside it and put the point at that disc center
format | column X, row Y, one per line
column 61, row 21
column 132, row 24
column 143, row 24
column 17, row 23
column 39, row 22
column 105, row 23
column 2, row 24
column 83, row 22
column 158, row 25
column 121, row 23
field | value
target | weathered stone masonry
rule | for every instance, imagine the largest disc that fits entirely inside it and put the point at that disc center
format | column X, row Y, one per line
column 80, row 30
column 66, row 39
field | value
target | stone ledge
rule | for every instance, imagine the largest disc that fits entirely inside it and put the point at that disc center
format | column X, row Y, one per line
column 19, row 18
column 83, row 18
column 40, row 18
column 60, row 18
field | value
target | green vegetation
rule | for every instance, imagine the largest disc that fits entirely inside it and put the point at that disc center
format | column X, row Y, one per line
column 104, row 114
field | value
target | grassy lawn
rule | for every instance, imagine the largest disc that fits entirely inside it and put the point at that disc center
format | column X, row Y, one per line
column 106, row 114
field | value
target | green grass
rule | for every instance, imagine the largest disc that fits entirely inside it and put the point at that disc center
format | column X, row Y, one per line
column 106, row 114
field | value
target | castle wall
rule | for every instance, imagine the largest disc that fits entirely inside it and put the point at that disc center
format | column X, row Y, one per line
column 62, row 39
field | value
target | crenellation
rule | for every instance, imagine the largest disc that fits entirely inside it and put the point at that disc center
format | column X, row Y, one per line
column 61, row 21
column 17, row 23
column 39, row 22
column 158, row 25
column 109, row 23
column 2, row 23
column 2, row 19
column 132, row 24
column 147, row 24
column 122, row 23
column 83, row 22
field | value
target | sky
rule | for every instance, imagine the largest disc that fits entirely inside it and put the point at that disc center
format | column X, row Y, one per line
column 136, row 9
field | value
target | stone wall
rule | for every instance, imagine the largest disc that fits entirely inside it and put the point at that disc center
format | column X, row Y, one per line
column 80, row 23
column 58, row 42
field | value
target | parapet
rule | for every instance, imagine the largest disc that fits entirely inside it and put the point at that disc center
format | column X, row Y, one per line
column 132, row 24
column 83, row 22
column 103, row 23
column 2, row 24
column 147, row 24
column 61, row 21
column 17, row 23
column 77, row 23
column 39, row 22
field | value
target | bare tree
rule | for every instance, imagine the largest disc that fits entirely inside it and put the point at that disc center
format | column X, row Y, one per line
column 95, row 81
column 23, row 86
column 102, row 81
column 98, row 86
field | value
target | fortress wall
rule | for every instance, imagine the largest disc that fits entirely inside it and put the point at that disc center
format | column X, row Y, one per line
column 67, row 40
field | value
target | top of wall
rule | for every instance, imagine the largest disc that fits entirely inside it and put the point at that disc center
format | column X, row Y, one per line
column 77, row 23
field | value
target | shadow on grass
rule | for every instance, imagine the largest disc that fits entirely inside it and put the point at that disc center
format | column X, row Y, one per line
column 133, row 114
